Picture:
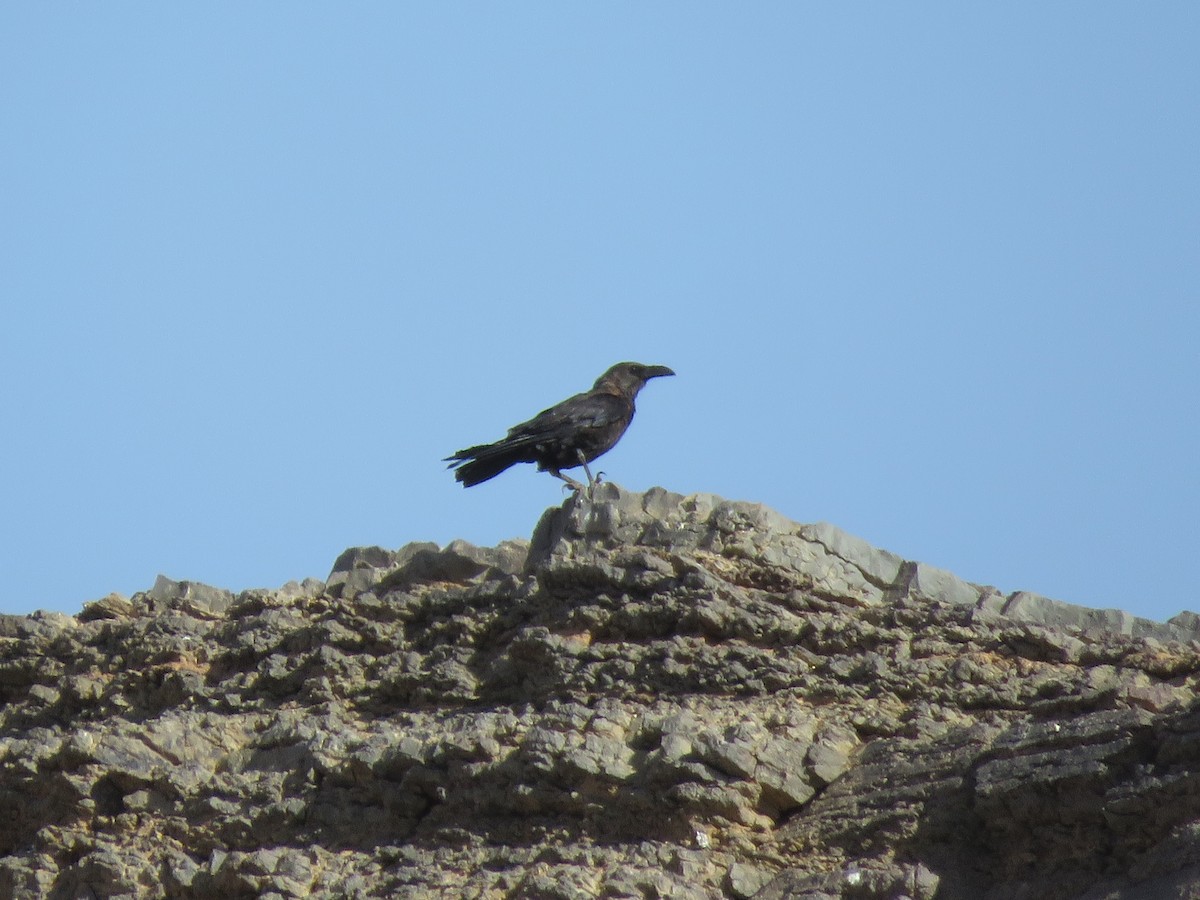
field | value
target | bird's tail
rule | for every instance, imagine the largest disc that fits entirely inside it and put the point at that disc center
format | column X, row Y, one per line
column 477, row 464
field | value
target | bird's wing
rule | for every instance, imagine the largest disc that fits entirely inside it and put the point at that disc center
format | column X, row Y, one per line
column 589, row 410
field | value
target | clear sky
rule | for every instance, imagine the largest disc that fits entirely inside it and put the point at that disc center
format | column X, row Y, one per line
column 929, row 272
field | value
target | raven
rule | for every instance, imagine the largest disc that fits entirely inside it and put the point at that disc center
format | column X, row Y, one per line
column 571, row 434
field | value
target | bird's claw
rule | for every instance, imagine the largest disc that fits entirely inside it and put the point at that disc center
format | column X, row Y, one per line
column 569, row 483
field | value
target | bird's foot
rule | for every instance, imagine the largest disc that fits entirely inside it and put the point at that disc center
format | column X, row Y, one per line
column 569, row 483
column 593, row 484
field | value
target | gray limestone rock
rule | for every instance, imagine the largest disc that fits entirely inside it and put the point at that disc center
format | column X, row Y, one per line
column 189, row 597
column 658, row 695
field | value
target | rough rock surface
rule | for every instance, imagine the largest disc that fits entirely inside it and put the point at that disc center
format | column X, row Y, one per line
column 658, row 696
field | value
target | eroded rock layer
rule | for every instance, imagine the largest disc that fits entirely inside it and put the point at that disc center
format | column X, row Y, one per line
column 658, row 696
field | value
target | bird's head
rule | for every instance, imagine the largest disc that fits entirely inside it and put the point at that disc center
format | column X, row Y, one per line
column 630, row 377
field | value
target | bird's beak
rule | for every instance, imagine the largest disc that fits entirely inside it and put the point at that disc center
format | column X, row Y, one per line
column 657, row 371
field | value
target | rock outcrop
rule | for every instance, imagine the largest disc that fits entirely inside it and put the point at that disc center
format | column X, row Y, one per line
column 658, row 696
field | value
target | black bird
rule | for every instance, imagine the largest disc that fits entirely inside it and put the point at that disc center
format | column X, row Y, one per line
column 571, row 434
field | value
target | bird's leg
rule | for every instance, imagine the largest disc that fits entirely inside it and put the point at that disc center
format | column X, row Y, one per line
column 592, row 482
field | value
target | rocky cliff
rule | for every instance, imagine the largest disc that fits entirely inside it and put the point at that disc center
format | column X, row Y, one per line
column 657, row 696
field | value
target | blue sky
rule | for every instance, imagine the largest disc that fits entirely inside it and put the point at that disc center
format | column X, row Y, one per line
column 927, row 272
